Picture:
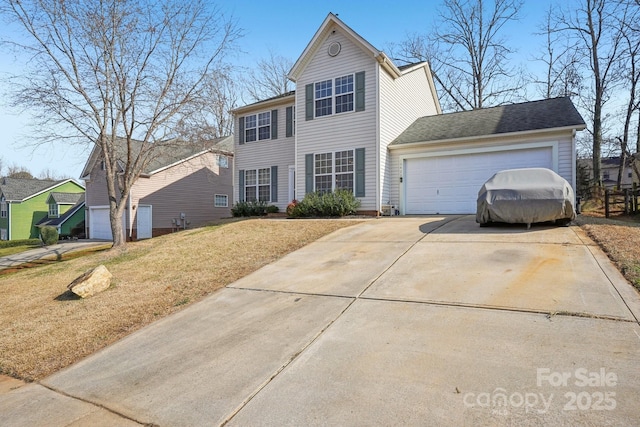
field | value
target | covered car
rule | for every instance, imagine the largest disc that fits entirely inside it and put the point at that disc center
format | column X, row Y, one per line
column 526, row 196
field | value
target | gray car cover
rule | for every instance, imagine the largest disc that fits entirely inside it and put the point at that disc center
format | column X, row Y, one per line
column 525, row 196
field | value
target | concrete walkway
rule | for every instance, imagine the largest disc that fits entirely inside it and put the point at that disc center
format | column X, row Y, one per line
column 48, row 252
column 395, row 321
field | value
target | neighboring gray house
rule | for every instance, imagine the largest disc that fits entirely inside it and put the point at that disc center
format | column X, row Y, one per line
column 609, row 168
column 186, row 187
column 357, row 121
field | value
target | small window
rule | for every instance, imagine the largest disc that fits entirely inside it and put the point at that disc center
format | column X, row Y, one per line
column 103, row 165
column 223, row 161
column 605, row 175
column 630, row 175
column 221, row 201
column 3, row 209
column 53, row 210
column 3, row 234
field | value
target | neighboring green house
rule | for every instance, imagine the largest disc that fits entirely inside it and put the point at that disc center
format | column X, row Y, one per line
column 27, row 203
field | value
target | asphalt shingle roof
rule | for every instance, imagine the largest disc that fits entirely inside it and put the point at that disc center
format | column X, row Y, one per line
column 526, row 116
column 17, row 189
column 62, row 218
column 66, row 198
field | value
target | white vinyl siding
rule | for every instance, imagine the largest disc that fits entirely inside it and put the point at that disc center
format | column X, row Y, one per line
column 402, row 101
column 278, row 152
column 337, row 132
column 560, row 143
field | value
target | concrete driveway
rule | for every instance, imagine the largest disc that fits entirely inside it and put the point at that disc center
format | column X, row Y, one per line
column 395, row 321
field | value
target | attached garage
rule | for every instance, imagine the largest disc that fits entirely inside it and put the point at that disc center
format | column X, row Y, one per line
column 440, row 162
column 448, row 183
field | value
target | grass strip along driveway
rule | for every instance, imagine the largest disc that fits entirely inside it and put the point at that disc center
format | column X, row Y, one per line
column 45, row 328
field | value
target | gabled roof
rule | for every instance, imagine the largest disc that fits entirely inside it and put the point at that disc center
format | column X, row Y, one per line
column 64, row 217
column 167, row 155
column 21, row 189
column 64, row 198
column 541, row 115
column 329, row 24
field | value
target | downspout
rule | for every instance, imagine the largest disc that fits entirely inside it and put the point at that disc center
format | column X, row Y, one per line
column 9, row 220
column 378, row 144
column 574, row 159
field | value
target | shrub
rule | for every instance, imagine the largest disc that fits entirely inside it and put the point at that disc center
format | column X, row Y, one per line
column 253, row 208
column 13, row 243
column 49, row 235
column 331, row 204
column 272, row 209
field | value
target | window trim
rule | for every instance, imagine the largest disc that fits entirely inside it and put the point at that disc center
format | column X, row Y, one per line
column 334, row 96
column 334, row 173
column 257, row 184
column 257, row 126
column 54, row 213
column 215, row 201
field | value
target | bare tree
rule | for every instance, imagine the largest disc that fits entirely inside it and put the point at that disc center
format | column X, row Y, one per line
column 594, row 26
column 212, row 118
column 52, row 175
column 269, row 77
column 561, row 61
column 119, row 74
column 15, row 171
column 468, row 53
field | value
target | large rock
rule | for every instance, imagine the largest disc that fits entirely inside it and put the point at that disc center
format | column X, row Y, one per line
column 90, row 283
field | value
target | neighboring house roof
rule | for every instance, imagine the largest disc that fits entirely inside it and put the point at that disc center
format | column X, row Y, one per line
column 64, row 198
column 55, row 222
column 268, row 101
column 527, row 116
column 20, row 189
column 169, row 154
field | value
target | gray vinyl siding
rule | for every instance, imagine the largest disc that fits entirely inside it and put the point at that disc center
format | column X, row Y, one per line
column 345, row 131
column 564, row 140
column 402, row 101
column 188, row 188
column 278, row 152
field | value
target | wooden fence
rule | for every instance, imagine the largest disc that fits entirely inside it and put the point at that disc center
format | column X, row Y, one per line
column 621, row 202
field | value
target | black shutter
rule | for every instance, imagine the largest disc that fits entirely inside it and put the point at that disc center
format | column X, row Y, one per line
column 308, row 173
column 241, row 186
column 274, row 124
column 308, row 102
column 274, row 184
column 289, row 127
column 359, row 173
column 360, row 91
column 241, row 122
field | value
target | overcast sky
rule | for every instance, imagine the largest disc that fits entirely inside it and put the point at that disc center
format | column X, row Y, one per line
column 285, row 27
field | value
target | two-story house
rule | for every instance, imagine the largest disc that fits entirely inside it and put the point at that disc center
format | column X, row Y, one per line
column 359, row 122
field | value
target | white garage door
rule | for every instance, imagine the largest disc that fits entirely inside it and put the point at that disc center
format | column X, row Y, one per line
column 99, row 226
column 450, row 184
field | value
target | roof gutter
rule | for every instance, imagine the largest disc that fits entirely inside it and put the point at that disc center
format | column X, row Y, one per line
column 388, row 65
column 484, row 137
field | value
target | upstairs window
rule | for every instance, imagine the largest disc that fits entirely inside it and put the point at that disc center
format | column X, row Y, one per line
column 3, row 209
column 324, row 98
column 257, row 127
column 53, row 210
column 344, row 94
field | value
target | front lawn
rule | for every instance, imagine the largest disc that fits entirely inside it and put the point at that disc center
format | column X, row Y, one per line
column 44, row 328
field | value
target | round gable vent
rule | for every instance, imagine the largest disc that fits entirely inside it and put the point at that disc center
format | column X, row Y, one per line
column 334, row 49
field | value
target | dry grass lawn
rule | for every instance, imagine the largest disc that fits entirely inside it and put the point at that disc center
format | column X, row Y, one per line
column 44, row 328
column 619, row 238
